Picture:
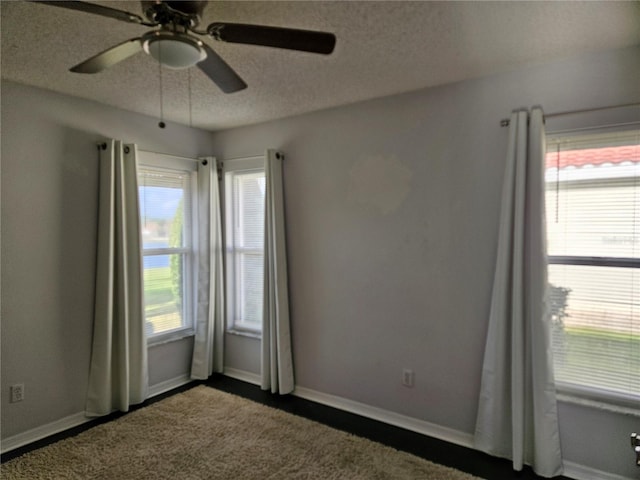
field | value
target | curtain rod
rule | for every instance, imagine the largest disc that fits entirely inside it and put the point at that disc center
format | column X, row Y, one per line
column 103, row 146
column 170, row 155
column 248, row 157
column 505, row 121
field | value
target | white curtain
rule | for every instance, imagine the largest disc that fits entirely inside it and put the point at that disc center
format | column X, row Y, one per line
column 118, row 374
column 209, row 328
column 517, row 416
column 277, row 361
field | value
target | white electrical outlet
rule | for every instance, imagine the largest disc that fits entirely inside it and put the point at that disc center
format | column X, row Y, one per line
column 17, row 392
column 408, row 377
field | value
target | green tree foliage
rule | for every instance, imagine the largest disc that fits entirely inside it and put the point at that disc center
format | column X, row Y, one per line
column 558, row 304
column 175, row 261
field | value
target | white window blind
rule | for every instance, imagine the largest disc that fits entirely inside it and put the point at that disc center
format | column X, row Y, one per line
column 593, row 232
column 166, row 211
column 245, row 190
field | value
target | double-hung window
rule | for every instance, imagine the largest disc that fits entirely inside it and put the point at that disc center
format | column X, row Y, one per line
column 244, row 197
column 593, row 233
column 167, row 194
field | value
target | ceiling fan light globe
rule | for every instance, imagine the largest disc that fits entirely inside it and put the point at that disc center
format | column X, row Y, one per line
column 175, row 51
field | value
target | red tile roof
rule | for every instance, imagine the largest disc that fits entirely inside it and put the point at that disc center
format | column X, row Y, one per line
column 593, row 156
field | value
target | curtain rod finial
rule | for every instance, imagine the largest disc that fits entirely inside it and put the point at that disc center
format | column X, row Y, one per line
column 505, row 122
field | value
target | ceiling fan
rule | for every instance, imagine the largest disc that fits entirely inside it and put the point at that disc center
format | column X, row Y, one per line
column 174, row 43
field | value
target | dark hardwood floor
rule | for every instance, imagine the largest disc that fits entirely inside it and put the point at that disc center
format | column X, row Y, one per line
column 438, row 451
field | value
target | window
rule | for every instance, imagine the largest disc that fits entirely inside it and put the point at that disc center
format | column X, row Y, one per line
column 244, row 186
column 593, row 231
column 166, row 188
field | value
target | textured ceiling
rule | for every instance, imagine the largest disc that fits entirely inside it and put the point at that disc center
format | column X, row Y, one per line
column 383, row 48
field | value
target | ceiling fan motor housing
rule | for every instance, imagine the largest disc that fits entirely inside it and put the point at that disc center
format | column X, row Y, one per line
column 184, row 13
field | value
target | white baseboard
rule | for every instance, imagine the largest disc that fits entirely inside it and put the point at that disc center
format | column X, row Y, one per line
column 375, row 413
column 581, row 472
column 391, row 418
column 248, row 377
column 167, row 385
column 43, row 431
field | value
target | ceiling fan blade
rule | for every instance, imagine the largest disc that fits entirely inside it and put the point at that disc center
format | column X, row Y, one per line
column 109, row 57
column 98, row 10
column 289, row 38
column 220, row 72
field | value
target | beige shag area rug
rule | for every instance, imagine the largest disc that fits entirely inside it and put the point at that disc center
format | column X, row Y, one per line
column 207, row 434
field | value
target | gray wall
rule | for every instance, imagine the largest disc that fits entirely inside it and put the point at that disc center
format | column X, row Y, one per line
column 392, row 211
column 49, row 222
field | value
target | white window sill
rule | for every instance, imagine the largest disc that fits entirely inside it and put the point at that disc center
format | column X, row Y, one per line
column 169, row 337
column 245, row 333
column 598, row 400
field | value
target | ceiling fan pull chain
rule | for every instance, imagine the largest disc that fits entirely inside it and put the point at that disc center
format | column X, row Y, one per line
column 161, row 124
column 190, row 108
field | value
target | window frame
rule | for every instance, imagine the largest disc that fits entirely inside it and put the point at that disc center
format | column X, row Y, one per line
column 229, row 167
column 152, row 161
column 601, row 398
